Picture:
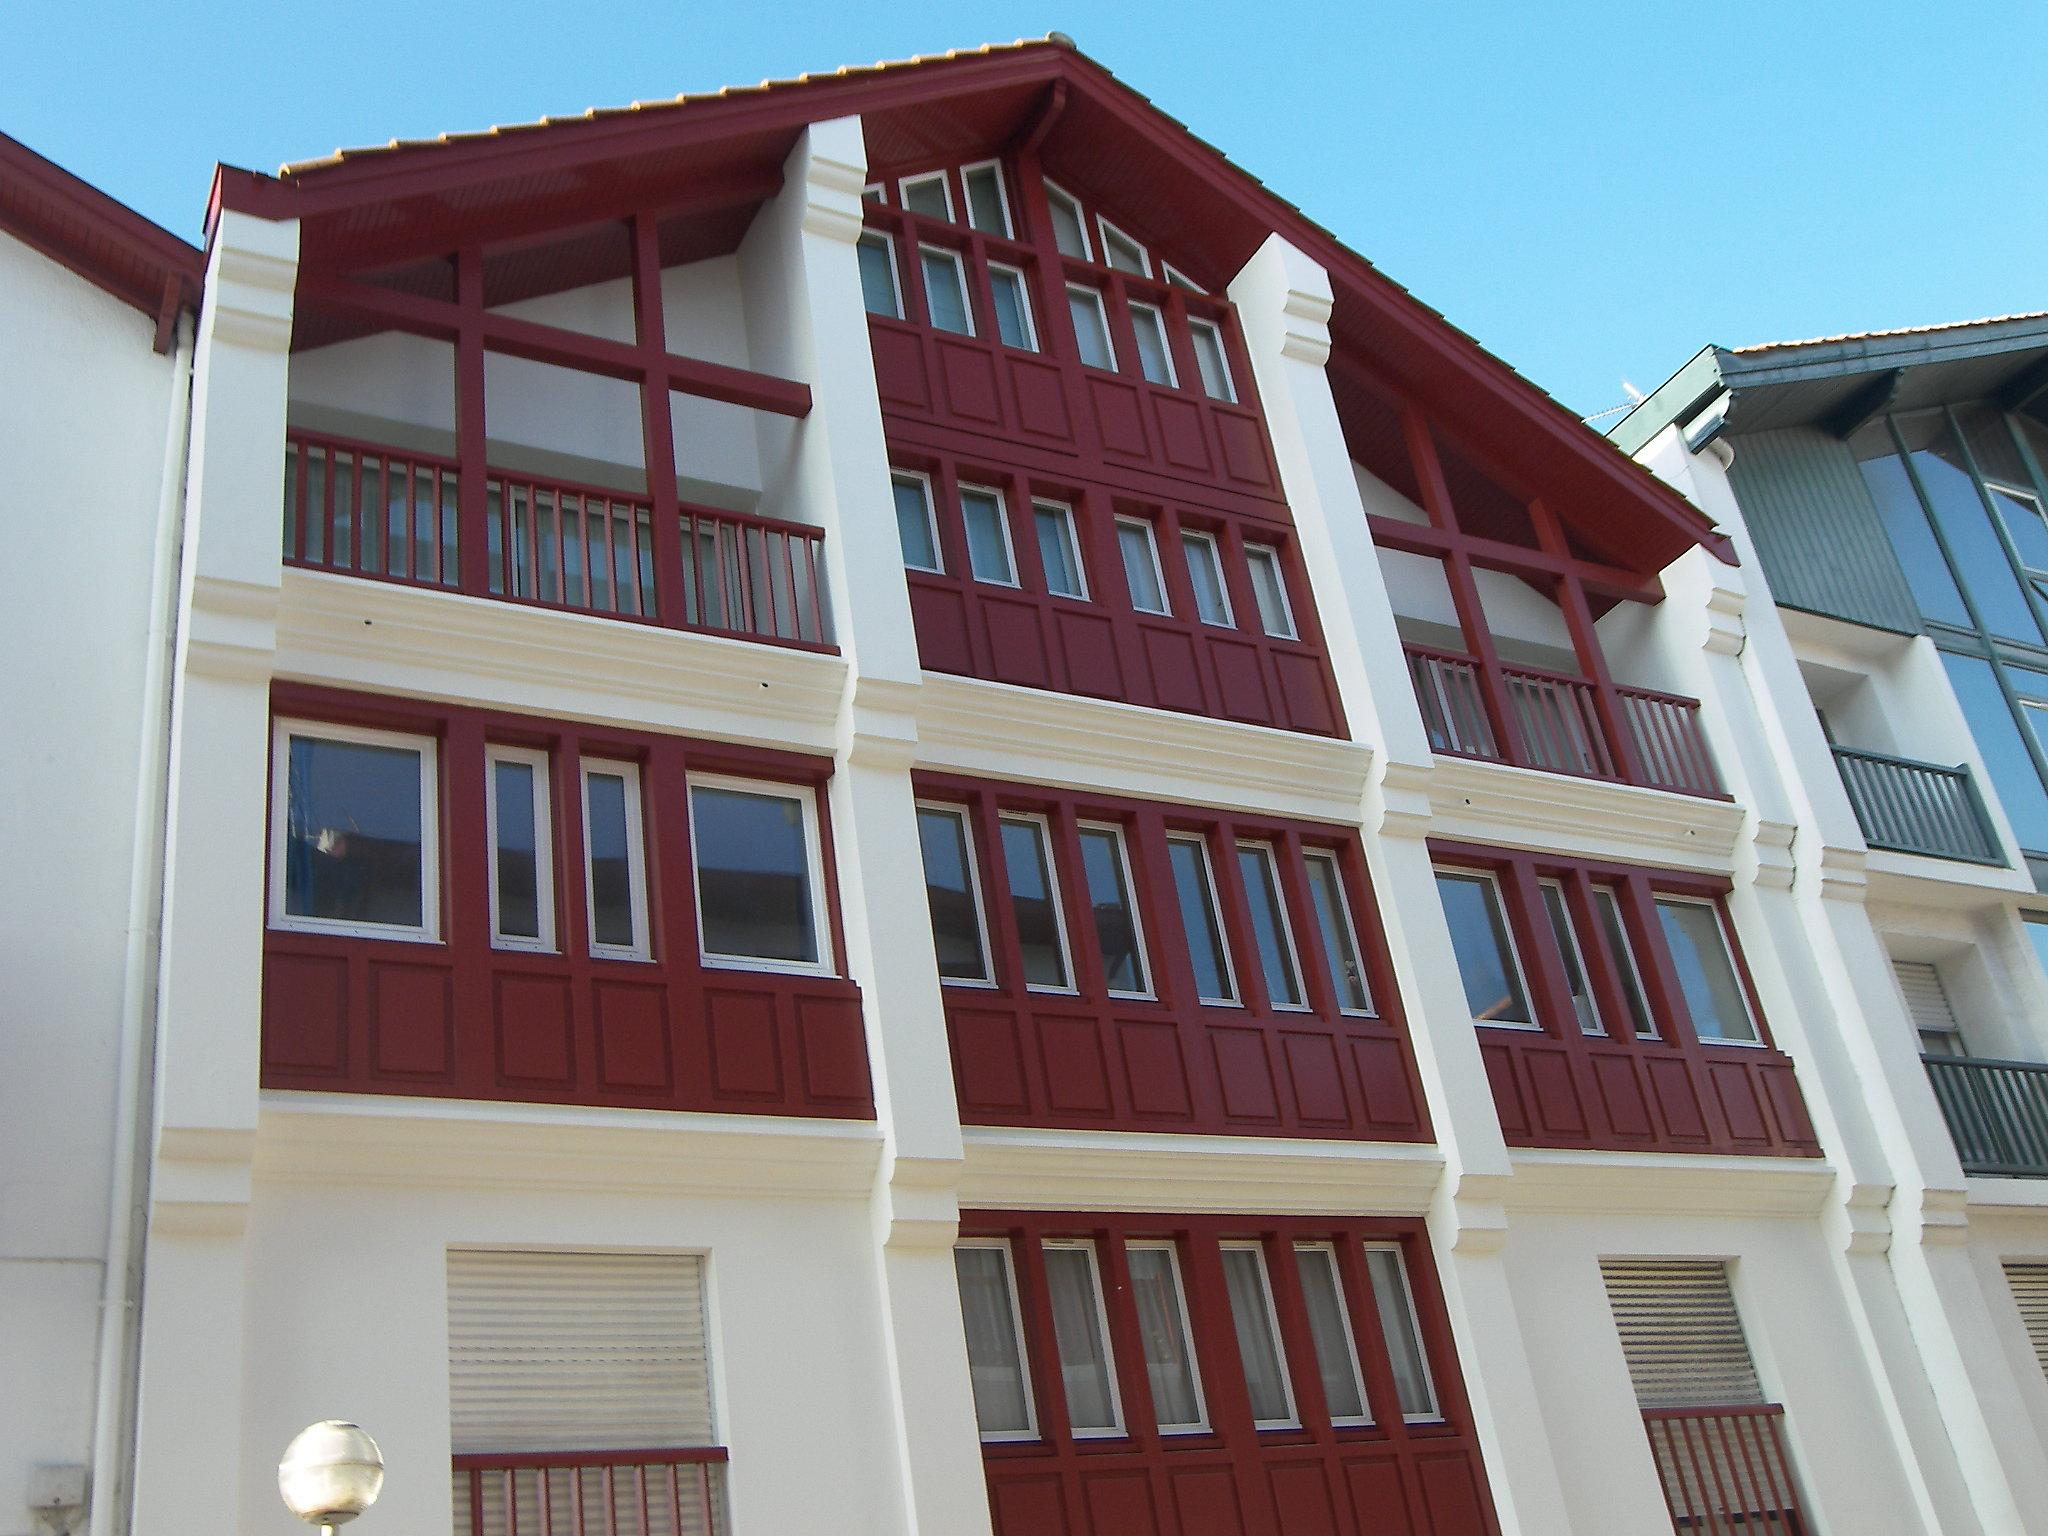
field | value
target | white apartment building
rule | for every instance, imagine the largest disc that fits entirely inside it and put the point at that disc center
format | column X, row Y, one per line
column 876, row 805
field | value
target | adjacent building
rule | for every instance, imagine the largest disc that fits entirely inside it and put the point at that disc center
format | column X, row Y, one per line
column 875, row 804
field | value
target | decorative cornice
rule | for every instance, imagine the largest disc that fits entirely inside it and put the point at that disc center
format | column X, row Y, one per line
column 879, row 727
column 1769, row 854
column 1942, row 1219
column 231, row 628
column 1022, row 1169
column 917, row 1203
column 833, row 184
column 1495, row 803
column 1398, row 803
column 1027, row 733
column 1865, row 1221
column 200, row 1183
column 1726, row 631
column 1665, row 1184
column 249, row 289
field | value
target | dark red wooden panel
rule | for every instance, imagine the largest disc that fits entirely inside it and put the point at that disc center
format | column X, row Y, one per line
column 1307, row 690
column 1621, row 1096
column 1155, row 1067
column 1171, row 667
column 1379, row 1496
column 1451, row 1493
column 988, row 1061
column 969, row 376
column 633, row 1048
column 1120, row 1501
column 1072, row 1061
column 940, row 614
column 1016, row 641
column 1678, row 1100
column 1088, row 643
column 900, row 375
column 411, row 1020
column 746, row 1045
column 305, row 1014
column 1028, row 1505
column 833, row 1048
column 1246, row 1075
column 1208, row 1501
column 1240, row 681
column 1508, row 1102
column 1552, row 1090
column 535, row 1019
column 1302, row 1499
column 1735, row 1090
column 1315, row 1077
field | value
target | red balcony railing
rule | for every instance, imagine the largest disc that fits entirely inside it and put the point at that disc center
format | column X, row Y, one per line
column 591, row 1493
column 1726, row 1471
column 1559, row 724
column 391, row 514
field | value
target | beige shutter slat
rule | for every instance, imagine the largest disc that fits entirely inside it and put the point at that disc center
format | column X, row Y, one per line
column 1680, row 1333
column 1926, row 998
column 2029, row 1282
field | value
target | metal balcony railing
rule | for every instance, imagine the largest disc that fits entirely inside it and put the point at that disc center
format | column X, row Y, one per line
column 1911, row 807
column 1997, row 1113
column 591, row 1493
column 1725, row 1470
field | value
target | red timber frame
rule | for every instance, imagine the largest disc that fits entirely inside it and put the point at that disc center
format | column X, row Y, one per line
column 1105, row 442
column 1386, row 1478
column 1087, row 1060
column 463, row 1019
column 1560, row 1086
column 1534, row 718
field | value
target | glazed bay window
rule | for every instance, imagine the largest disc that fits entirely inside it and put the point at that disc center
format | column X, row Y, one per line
column 916, row 527
column 1073, row 1283
column 1698, row 939
column 989, row 557
column 959, row 933
column 1329, row 1326
column 760, row 884
column 521, row 848
column 1170, row 1368
column 1139, row 548
column 995, row 1341
column 1402, row 1330
column 354, row 845
column 1205, row 575
column 1091, row 327
column 1036, row 907
column 1011, row 295
column 945, row 290
column 1212, row 358
column 1258, row 1336
column 615, row 860
column 1059, row 551
column 1487, row 962
column 1278, row 962
column 880, row 289
column 1269, row 588
column 1155, row 354
column 1339, row 933
column 1194, row 889
column 1119, row 932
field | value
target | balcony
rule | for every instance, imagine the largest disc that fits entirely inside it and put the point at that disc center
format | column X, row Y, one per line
column 1997, row 1113
column 1726, row 1471
column 1559, row 723
column 1909, row 807
column 393, row 515
column 619, row 1493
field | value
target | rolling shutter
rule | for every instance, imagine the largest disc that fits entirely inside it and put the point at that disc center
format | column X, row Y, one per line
column 1680, row 1333
column 1927, row 1003
column 2029, row 1282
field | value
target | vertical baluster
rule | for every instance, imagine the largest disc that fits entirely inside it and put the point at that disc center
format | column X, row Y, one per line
column 476, row 1501
column 575, row 1501
column 795, row 632
column 607, row 509
column 547, row 1504
column 1731, row 1431
column 611, row 1499
column 1704, row 1509
column 511, row 1502
column 640, row 1487
column 295, row 519
column 704, row 1472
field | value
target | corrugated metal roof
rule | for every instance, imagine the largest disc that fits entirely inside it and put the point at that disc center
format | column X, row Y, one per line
column 1903, row 330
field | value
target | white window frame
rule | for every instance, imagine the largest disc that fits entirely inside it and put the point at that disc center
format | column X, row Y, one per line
column 1756, row 1026
column 543, row 846
column 1066, row 515
column 1293, row 1419
column 1229, row 395
column 931, row 516
column 874, row 192
column 1435, row 1415
column 1095, row 297
column 1054, row 190
column 1055, row 892
column 1158, row 566
column 1009, row 229
column 904, row 184
column 1649, row 1031
column 1598, row 1028
column 1336, row 863
column 1106, row 230
column 429, row 929
column 1172, row 380
column 965, row 815
column 1346, row 1420
column 1118, row 1427
column 636, row 860
column 1173, row 277
column 1123, row 852
column 1271, row 854
column 1507, row 926
column 1215, row 548
column 1024, row 306
column 1252, row 553
column 966, row 294
column 814, row 866
column 1002, row 522
column 876, row 236
column 1030, row 1430
column 1201, row 841
column 1199, row 1425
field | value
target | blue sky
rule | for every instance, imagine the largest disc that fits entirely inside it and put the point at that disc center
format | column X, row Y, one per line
column 1593, row 190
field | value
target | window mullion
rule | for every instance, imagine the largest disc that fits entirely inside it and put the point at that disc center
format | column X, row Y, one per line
column 1233, row 916
column 1298, row 1357
column 1126, row 1341
column 1542, row 965
column 1602, row 966
column 1006, row 956
column 1314, row 962
column 1654, row 963
column 1070, row 888
column 1041, row 1338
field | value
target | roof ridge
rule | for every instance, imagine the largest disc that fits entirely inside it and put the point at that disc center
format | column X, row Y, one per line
column 1898, row 330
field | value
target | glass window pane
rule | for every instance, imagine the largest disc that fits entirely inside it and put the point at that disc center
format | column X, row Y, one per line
column 754, row 874
column 986, row 209
column 2006, row 480
column 608, row 839
column 1258, row 1341
column 928, row 195
column 995, row 1362
column 1013, row 308
column 1199, row 921
column 1905, row 523
column 515, row 806
column 1119, row 250
column 1091, row 327
column 1057, row 551
column 1952, row 496
column 1706, row 975
column 1205, row 572
column 1567, row 940
column 1077, row 1326
column 353, row 841
column 1340, row 940
column 2005, row 753
column 1069, row 233
column 2037, row 935
column 1211, row 359
column 1141, row 565
column 1486, row 957
column 914, row 523
column 988, row 540
column 1034, row 902
column 1608, row 905
column 1322, row 1293
column 1412, row 1384
column 945, row 291
column 1269, row 924
column 878, row 277
column 1116, row 917
column 1269, row 589
column 1154, row 358
column 949, row 887
column 1163, row 1325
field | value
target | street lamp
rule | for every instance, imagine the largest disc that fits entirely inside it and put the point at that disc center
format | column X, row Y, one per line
column 331, row 1472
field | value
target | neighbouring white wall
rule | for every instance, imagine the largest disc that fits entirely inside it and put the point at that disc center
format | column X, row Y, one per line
column 83, row 424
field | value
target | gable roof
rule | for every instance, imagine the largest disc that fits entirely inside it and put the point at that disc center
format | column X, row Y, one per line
column 105, row 242
column 374, row 200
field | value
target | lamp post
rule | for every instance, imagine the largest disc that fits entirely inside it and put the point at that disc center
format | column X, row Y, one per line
column 331, row 1472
